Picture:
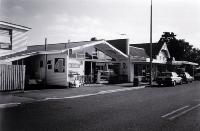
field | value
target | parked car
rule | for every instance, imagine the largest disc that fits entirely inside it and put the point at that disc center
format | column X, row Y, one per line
column 197, row 76
column 169, row 78
column 186, row 77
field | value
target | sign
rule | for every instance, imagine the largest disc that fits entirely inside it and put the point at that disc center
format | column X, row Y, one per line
column 100, row 64
column 59, row 65
column 5, row 39
column 74, row 65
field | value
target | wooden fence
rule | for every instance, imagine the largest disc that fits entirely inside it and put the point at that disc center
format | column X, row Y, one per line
column 12, row 77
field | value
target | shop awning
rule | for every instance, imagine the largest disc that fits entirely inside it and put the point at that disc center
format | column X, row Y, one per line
column 105, row 47
column 19, row 57
column 184, row 63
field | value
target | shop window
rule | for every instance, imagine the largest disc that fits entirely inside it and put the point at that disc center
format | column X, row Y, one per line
column 49, row 64
column 49, row 67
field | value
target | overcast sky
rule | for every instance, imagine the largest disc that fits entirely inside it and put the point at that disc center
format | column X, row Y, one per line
column 79, row 20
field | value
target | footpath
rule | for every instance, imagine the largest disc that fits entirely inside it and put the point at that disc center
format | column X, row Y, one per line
column 9, row 99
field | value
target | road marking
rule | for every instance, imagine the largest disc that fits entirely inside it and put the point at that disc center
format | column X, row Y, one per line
column 9, row 105
column 174, row 111
column 197, row 100
column 93, row 94
column 184, row 112
column 70, row 97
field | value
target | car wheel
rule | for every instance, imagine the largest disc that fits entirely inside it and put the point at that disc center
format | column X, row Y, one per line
column 174, row 83
column 181, row 82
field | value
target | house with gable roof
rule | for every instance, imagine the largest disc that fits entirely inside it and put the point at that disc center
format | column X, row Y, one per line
column 160, row 55
column 13, row 38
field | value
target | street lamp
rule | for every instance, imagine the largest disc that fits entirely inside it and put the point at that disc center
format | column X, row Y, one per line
column 151, row 45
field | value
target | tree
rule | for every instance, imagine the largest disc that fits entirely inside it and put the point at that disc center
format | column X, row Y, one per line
column 180, row 49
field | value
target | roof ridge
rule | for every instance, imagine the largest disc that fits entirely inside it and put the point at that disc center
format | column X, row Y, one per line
column 4, row 22
column 136, row 47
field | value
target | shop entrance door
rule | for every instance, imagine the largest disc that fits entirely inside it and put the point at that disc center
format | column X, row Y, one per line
column 90, row 71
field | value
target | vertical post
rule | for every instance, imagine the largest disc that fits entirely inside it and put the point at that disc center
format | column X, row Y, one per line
column 193, row 70
column 45, row 64
column 23, row 77
column 151, row 45
column 91, row 73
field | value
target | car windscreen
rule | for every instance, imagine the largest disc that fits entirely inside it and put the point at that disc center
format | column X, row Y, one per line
column 166, row 74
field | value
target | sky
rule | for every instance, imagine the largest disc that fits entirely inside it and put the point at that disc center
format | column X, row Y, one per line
column 80, row 20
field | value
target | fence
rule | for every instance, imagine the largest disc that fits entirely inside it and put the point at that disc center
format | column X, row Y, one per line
column 12, row 77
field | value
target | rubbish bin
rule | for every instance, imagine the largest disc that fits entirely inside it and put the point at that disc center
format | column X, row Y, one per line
column 136, row 81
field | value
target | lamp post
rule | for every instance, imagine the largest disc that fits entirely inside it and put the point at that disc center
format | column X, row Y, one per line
column 45, row 65
column 151, row 45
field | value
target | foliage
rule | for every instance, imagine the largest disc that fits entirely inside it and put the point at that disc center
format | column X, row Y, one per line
column 180, row 49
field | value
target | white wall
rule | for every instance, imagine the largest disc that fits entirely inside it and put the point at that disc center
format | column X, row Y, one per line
column 161, row 56
column 53, row 78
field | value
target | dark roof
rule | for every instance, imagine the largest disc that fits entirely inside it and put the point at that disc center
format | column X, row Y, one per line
column 120, row 44
column 156, row 47
column 137, row 52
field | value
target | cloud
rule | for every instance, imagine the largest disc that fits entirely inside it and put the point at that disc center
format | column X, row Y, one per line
column 18, row 8
column 78, row 29
column 38, row 16
column 81, row 24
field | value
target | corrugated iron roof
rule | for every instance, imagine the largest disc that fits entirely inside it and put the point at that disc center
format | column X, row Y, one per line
column 156, row 47
column 138, row 52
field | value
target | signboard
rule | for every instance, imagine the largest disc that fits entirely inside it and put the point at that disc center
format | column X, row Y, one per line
column 74, row 65
column 5, row 39
column 59, row 65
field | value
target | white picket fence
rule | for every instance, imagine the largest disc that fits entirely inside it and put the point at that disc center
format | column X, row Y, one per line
column 12, row 77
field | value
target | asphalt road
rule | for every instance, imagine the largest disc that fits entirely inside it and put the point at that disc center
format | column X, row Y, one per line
column 149, row 109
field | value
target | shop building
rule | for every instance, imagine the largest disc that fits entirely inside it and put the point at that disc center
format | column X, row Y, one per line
column 160, row 55
column 59, row 64
column 162, row 61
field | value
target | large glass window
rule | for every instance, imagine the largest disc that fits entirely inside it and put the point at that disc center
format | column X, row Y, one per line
column 5, row 38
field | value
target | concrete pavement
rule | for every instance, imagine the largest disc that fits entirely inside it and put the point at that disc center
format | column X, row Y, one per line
column 8, row 99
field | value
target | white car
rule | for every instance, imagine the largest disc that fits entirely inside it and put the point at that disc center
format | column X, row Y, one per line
column 169, row 78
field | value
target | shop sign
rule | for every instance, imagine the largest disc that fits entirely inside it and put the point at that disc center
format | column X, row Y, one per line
column 59, row 65
column 100, row 64
column 74, row 65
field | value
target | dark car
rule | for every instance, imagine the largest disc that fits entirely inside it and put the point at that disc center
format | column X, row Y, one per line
column 197, row 76
column 168, row 78
column 186, row 77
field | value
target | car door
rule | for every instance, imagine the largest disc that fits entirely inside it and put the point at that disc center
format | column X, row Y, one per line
column 176, row 77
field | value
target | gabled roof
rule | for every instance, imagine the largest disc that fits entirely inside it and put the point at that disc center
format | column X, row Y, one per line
column 59, row 46
column 120, row 44
column 137, row 52
column 62, row 47
column 156, row 47
column 14, row 25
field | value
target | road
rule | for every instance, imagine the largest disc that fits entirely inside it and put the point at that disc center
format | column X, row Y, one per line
column 149, row 109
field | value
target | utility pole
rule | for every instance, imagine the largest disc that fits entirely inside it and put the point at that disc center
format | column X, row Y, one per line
column 151, row 46
column 45, row 63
